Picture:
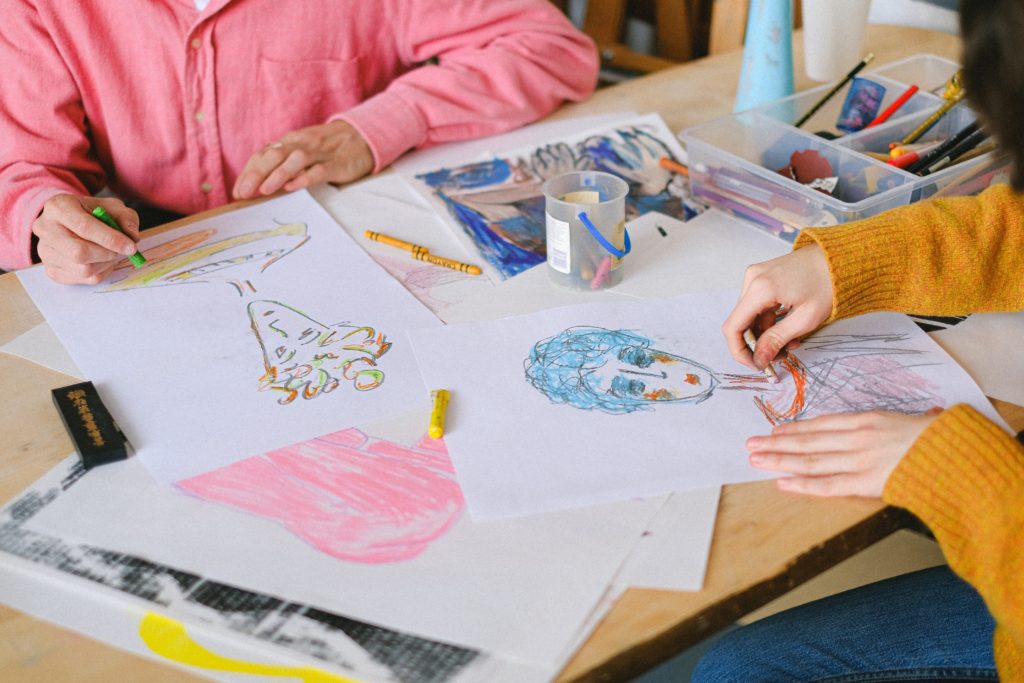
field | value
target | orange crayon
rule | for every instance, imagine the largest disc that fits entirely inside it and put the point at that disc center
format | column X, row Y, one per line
column 394, row 242
column 446, row 262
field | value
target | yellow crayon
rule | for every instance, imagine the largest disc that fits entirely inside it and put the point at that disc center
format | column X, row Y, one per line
column 394, row 242
column 446, row 262
column 436, row 428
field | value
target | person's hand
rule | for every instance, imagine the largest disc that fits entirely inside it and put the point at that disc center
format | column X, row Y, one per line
column 331, row 152
column 74, row 246
column 851, row 454
column 782, row 299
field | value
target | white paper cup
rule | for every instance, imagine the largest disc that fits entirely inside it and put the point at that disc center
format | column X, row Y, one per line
column 833, row 36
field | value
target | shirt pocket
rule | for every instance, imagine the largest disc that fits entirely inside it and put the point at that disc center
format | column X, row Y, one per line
column 304, row 93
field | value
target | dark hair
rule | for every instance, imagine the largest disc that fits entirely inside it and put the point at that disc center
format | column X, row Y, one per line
column 993, row 58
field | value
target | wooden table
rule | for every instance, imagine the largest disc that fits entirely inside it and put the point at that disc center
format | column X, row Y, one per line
column 765, row 542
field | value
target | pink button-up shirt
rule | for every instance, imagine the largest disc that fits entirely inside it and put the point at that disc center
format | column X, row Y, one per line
column 165, row 104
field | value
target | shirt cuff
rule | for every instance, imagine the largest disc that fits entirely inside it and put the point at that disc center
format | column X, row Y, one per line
column 17, row 253
column 388, row 124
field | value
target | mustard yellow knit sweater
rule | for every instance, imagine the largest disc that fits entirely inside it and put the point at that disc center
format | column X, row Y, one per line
column 964, row 476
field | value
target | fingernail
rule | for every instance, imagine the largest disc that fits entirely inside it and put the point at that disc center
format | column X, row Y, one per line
column 756, row 459
column 244, row 189
column 784, row 483
column 754, row 443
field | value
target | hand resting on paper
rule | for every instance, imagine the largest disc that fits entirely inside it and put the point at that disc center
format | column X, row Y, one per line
column 850, row 454
column 77, row 248
column 332, row 152
column 798, row 284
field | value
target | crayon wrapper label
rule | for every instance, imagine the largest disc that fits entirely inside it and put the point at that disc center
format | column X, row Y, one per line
column 558, row 245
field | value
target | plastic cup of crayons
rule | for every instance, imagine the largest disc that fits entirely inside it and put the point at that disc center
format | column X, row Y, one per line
column 586, row 229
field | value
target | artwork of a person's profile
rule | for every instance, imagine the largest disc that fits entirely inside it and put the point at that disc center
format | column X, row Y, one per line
column 303, row 357
column 620, row 372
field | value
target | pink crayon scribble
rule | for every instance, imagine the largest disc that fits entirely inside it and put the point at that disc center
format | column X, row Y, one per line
column 848, row 384
column 352, row 497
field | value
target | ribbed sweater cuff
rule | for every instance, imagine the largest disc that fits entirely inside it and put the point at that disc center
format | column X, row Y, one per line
column 956, row 477
column 864, row 276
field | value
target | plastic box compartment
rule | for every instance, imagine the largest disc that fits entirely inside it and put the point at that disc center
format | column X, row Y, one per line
column 878, row 139
column 733, row 162
column 734, row 159
column 790, row 109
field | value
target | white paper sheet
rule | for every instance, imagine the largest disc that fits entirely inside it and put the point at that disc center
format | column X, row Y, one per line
column 667, row 409
column 249, row 331
column 495, row 204
column 671, row 555
column 498, row 587
column 706, row 253
column 987, row 345
column 387, row 205
column 109, row 594
column 40, row 345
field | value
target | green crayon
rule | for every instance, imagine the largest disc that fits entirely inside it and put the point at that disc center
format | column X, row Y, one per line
column 137, row 259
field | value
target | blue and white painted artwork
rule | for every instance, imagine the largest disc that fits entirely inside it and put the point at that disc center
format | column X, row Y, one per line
column 498, row 204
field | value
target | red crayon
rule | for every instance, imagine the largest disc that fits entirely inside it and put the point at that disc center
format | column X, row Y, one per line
column 904, row 160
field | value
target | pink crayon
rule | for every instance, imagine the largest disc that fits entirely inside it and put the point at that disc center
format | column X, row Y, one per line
column 603, row 270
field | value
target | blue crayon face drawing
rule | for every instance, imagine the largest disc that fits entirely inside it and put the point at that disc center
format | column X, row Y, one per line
column 619, row 372
column 651, row 375
column 615, row 371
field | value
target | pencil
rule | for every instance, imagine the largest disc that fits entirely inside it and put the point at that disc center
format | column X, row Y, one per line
column 926, row 125
column 961, row 148
column 936, row 153
column 897, row 103
column 751, row 342
column 393, row 242
column 838, row 86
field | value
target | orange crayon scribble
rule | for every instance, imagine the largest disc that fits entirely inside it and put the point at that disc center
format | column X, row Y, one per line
column 692, row 378
column 659, row 395
column 798, row 371
column 173, row 247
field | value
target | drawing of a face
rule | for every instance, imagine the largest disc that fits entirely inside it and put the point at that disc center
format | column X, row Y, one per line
column 615, row 371
column 302, row 356
column 653, row 375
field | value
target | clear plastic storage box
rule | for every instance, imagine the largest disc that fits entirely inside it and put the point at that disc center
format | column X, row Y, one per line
column 734, row 160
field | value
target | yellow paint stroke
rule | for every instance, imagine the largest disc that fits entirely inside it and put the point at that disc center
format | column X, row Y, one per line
column 159, row 269
column 169, row 639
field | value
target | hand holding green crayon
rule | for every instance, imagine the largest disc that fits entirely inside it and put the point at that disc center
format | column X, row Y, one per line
column 137, row 259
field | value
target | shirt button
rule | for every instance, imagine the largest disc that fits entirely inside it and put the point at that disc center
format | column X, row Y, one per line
column 207, row 188
column 200, row 116
column 196, row 43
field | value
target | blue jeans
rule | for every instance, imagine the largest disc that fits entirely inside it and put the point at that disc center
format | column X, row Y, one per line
column 925, row 626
